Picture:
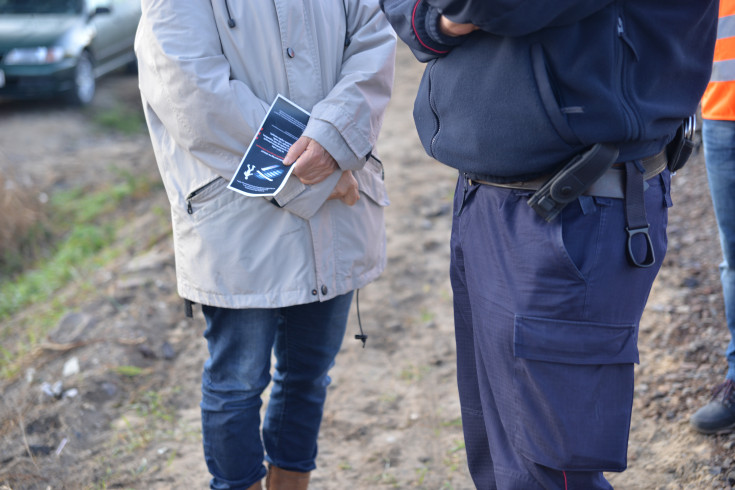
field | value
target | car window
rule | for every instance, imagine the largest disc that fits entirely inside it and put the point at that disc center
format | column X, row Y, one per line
column 41, row 6
column 93, row 4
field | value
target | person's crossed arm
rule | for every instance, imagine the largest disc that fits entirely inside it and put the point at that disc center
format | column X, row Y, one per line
column 313, row 164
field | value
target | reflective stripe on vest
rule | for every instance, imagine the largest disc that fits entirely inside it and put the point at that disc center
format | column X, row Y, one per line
column 718, row 101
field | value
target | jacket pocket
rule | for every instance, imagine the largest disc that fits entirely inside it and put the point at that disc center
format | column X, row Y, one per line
column 199, row 201
column 370, row 181
column 574, row 392
column 227, row 250
column 548, row 98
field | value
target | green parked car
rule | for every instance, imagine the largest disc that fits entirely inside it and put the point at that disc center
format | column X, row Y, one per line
column 60, row 47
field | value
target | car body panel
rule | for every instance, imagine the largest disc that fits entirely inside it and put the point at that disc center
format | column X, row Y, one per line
column 106, row 34
column 34, row 30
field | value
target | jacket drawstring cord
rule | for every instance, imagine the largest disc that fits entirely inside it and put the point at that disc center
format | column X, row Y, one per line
column 230, row 20
column 361, row 335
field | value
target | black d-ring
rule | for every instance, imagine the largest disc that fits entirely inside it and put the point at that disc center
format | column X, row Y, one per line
column 650, row 256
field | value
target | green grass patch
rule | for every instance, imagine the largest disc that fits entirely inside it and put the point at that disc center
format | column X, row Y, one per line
column 119, row 118
column 72, row 259
column 458, row 446
column 129, row 371
column 151, row 405
column 32, row 329
column 74, row 217
column 84, row 227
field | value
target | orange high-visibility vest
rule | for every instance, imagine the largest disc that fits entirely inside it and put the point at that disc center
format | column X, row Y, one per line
column 718, row 101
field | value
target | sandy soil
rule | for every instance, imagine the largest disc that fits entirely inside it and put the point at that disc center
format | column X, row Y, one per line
column 392, row 416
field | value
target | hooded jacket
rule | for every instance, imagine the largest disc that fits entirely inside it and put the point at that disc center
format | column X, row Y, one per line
column 208, row 72
column 541, row 81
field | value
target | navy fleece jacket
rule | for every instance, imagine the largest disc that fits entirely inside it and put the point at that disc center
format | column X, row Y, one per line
column 540, row 81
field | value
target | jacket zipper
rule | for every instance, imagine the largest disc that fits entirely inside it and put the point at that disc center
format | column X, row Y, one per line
column 195, row 193
column 628, row 111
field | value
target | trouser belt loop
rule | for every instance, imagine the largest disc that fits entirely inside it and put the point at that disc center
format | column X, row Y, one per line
column 636, row 223
column 466, row 189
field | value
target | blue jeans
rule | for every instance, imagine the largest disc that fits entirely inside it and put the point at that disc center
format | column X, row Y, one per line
column 305, row 340
column 719, row 154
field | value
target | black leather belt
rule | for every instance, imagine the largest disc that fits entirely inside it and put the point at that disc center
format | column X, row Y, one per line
column 611, row 184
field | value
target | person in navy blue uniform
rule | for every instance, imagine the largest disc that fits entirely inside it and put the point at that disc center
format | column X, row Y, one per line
column 548, row 296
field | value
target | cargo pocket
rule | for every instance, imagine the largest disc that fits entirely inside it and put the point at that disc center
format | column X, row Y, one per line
column 574, row 392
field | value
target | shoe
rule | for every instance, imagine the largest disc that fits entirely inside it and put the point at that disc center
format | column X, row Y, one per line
column 280, row 479
column 719, row 414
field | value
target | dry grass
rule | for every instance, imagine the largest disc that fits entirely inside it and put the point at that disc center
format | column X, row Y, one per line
column 21, row 213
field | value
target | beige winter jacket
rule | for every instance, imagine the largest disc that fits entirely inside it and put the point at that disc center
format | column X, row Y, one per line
column 206, row 87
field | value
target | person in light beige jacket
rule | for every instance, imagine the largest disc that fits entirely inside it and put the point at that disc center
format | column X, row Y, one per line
column 271, row 274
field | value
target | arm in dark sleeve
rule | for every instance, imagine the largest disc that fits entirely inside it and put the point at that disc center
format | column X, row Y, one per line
column 416, row 23
column 517, row 17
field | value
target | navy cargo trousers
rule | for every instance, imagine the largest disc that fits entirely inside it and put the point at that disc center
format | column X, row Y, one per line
column 546, row 325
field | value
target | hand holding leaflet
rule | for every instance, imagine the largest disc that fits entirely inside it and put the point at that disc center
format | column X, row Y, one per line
column 261, row 171
column 312, row 163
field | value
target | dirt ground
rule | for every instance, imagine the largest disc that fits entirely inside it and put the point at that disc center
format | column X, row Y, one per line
column 392, row 418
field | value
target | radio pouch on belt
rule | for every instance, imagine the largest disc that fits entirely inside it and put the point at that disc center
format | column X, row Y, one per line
column 680, row 148
column 572, row 180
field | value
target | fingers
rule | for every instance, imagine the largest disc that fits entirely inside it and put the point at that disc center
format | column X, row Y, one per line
column 296, row 149
column 351, row 197
column 313, row 163
column 346, row 189
column 352, row 194
column 454, row 29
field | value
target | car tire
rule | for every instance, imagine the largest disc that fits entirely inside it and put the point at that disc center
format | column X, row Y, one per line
column 131, row 68
column 84, row 83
